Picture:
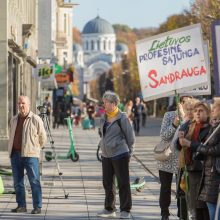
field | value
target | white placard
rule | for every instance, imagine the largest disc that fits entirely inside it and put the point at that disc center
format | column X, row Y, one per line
column 171, row 61
column 205, row 89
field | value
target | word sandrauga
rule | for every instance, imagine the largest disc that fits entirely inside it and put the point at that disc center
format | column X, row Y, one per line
column 170, row 78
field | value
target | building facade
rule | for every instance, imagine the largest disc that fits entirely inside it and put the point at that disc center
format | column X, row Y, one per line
column 98, row 51
column 18, row 46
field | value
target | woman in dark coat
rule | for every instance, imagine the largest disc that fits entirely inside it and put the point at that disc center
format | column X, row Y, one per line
column 190, row 139
column 209, row 187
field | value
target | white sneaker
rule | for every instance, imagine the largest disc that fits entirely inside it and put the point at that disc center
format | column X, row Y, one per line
column 106, row 214
column 125, row 215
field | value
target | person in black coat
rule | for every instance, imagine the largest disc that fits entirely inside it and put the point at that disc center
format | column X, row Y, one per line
column 190, row 137
column 209, row 187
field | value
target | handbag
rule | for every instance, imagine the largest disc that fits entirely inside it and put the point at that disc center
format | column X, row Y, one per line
column 162, row 151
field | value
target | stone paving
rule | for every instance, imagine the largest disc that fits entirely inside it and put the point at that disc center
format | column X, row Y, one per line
column 83, row 182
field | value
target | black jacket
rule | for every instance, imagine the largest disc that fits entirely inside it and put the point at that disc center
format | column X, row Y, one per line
column 210, row 181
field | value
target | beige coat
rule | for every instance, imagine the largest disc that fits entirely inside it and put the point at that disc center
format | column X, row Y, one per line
column 33, row 137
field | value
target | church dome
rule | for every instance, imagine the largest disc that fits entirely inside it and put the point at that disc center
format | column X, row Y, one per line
column 98, row 26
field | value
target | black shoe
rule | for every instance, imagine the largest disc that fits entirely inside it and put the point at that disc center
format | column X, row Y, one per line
column 165, row 217
column 19, row 209
column 36, row 211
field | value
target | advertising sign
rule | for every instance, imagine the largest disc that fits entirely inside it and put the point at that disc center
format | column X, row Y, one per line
column 45, row 74
column 172, row 61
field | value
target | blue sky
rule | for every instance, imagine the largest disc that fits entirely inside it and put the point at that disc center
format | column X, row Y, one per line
column 134, row 13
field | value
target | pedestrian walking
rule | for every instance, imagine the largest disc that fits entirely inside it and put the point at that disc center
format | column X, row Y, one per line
column 128, row 110
column 117, row 145
column 144, row 113
column 27, row 137
column 137, row 111
column 91, row 114
column 47, row 105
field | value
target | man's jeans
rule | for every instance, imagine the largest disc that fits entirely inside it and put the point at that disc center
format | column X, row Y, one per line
column 212, row 210
column 31, row 164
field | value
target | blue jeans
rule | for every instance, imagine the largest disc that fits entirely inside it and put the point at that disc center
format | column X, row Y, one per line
column 212, row 209
column 31, row 165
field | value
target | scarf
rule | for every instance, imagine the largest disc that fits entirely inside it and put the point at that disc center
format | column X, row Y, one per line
column 112, row 114
column 185, row 156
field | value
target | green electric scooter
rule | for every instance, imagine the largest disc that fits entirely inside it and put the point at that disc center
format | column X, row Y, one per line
column 71, row 153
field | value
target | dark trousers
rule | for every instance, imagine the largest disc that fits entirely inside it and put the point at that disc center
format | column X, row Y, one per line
column 119, row 169
column 136, row 124
column 165, row 192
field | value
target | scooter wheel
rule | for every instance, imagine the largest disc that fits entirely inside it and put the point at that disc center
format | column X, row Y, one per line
column 76, row 158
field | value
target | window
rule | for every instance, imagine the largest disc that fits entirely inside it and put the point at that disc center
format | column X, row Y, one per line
column 92, row 45
column 109, row 45
column 98, row 44
column 64, row 24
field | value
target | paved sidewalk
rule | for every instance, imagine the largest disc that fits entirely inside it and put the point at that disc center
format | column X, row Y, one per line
column 82, row 179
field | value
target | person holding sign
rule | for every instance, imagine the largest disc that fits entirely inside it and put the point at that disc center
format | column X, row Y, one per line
column 170, row 123
column 169, row 167
column 190, row 137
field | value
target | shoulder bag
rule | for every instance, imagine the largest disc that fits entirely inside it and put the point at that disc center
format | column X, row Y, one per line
column 162, row 151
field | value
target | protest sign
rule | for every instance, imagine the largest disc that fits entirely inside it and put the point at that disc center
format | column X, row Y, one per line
column 205, row 89
column 172, row 61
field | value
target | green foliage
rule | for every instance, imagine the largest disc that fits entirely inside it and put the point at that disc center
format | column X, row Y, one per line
column 121, row 27
column 174, row 22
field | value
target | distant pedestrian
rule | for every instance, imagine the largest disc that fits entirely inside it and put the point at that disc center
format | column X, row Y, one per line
column 117, row 144
column 128, row 110
column 137, row 111
column 27, row 137
column 47, row 105
column 91, row 114
column 144, row 113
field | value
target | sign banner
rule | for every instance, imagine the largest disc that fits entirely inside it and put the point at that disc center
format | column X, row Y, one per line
column 171, row 61
column 216, row 54
column 205, row 89
column 44, row 72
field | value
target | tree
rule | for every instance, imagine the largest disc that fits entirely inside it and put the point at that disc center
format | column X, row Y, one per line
column 176, row 21
column 206, row 11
